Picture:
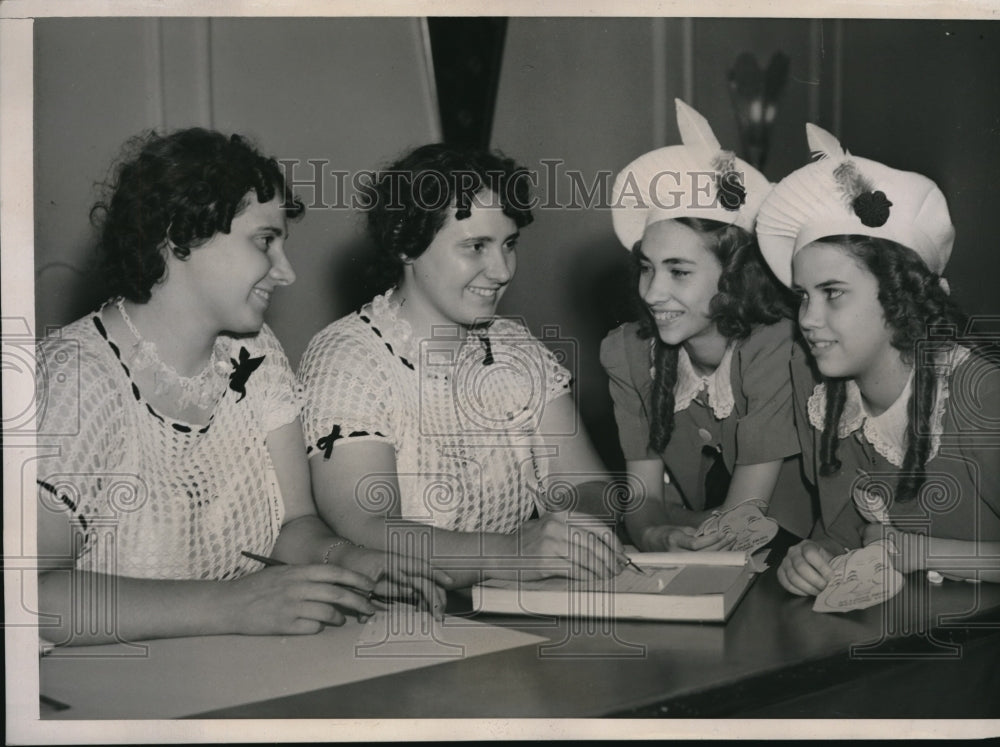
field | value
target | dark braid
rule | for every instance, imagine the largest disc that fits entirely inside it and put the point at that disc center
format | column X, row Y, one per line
column 918, row 441
column 913, row 303
column 665, row 365
column 836, row 396
column 748, row 295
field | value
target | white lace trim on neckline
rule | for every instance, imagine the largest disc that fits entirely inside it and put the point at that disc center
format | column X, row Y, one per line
column 887, row 432
column 398, row 333
column 384, row 314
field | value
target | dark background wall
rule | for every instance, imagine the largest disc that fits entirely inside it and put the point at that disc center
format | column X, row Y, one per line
column 925, row 96
column 590, row 93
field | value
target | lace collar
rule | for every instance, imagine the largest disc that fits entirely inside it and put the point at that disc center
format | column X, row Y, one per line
column 887, row 432
column 382, row 312
column 717, row 385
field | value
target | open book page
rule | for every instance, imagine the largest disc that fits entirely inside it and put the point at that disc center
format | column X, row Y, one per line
column 688, row 580
column 680, row 574
column 704, row 579
column 683, row 589
column 654, row 581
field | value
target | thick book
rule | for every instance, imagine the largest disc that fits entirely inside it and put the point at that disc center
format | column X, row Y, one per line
column 684, row 586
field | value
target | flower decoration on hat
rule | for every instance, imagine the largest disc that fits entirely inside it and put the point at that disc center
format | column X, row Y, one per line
column 696, row 132
column 698, row 179
column 872, row 208
column 839, row 194
column 732, row 194
column 869, row 204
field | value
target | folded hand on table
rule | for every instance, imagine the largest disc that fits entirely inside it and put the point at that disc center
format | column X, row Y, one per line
column 294, row 599
column 806, row 569
column 400, row 576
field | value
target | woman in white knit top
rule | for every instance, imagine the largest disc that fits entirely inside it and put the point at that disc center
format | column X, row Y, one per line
column 170, row 420
column 430, row 423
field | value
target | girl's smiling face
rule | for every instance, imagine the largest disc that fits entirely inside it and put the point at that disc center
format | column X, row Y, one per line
column 840, row 314
column 462, row 275
column 678, row 278
column 231, row 276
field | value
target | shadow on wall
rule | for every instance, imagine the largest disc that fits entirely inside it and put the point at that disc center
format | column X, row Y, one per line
column 349, row 276
column 599, row 299
column 64, row 293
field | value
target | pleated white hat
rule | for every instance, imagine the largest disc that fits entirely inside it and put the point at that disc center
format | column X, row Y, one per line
column 697, row 180
column 842, row 194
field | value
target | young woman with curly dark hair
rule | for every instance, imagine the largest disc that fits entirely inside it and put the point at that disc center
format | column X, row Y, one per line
column 890, row 405
column 700, row 383
column 177, row 418
column 410, row 201
column 428, row 415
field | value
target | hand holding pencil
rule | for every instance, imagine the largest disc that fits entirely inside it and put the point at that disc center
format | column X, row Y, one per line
column 590, row 547
column 292, row 599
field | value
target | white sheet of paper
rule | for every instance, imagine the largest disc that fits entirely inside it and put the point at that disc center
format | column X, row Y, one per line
column 178, row 677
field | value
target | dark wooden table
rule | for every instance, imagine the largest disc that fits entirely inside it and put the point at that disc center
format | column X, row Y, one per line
column 931, row 652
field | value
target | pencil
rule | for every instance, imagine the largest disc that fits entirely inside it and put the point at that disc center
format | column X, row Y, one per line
column 564, row 515
column 262, row 559
column 629, row 561
column 369, row 595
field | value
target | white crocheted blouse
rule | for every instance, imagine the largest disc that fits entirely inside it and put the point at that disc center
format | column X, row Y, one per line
column 153, row 497
column 463, row 418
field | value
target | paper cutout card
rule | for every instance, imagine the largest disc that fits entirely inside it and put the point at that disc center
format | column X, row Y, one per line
column 746, row 522
column 863, row 578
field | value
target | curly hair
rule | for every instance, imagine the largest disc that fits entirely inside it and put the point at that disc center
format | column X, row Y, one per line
column 410, row 200
column 177, row 191
column 748, row 296
column 913, row 302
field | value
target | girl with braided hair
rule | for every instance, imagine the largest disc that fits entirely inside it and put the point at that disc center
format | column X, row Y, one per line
column 890, row 407
column 700, row 383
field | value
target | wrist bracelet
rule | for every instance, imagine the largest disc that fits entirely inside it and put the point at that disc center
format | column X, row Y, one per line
column 336, row 543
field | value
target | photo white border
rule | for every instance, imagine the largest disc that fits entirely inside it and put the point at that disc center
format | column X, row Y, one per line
column 16, row 276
